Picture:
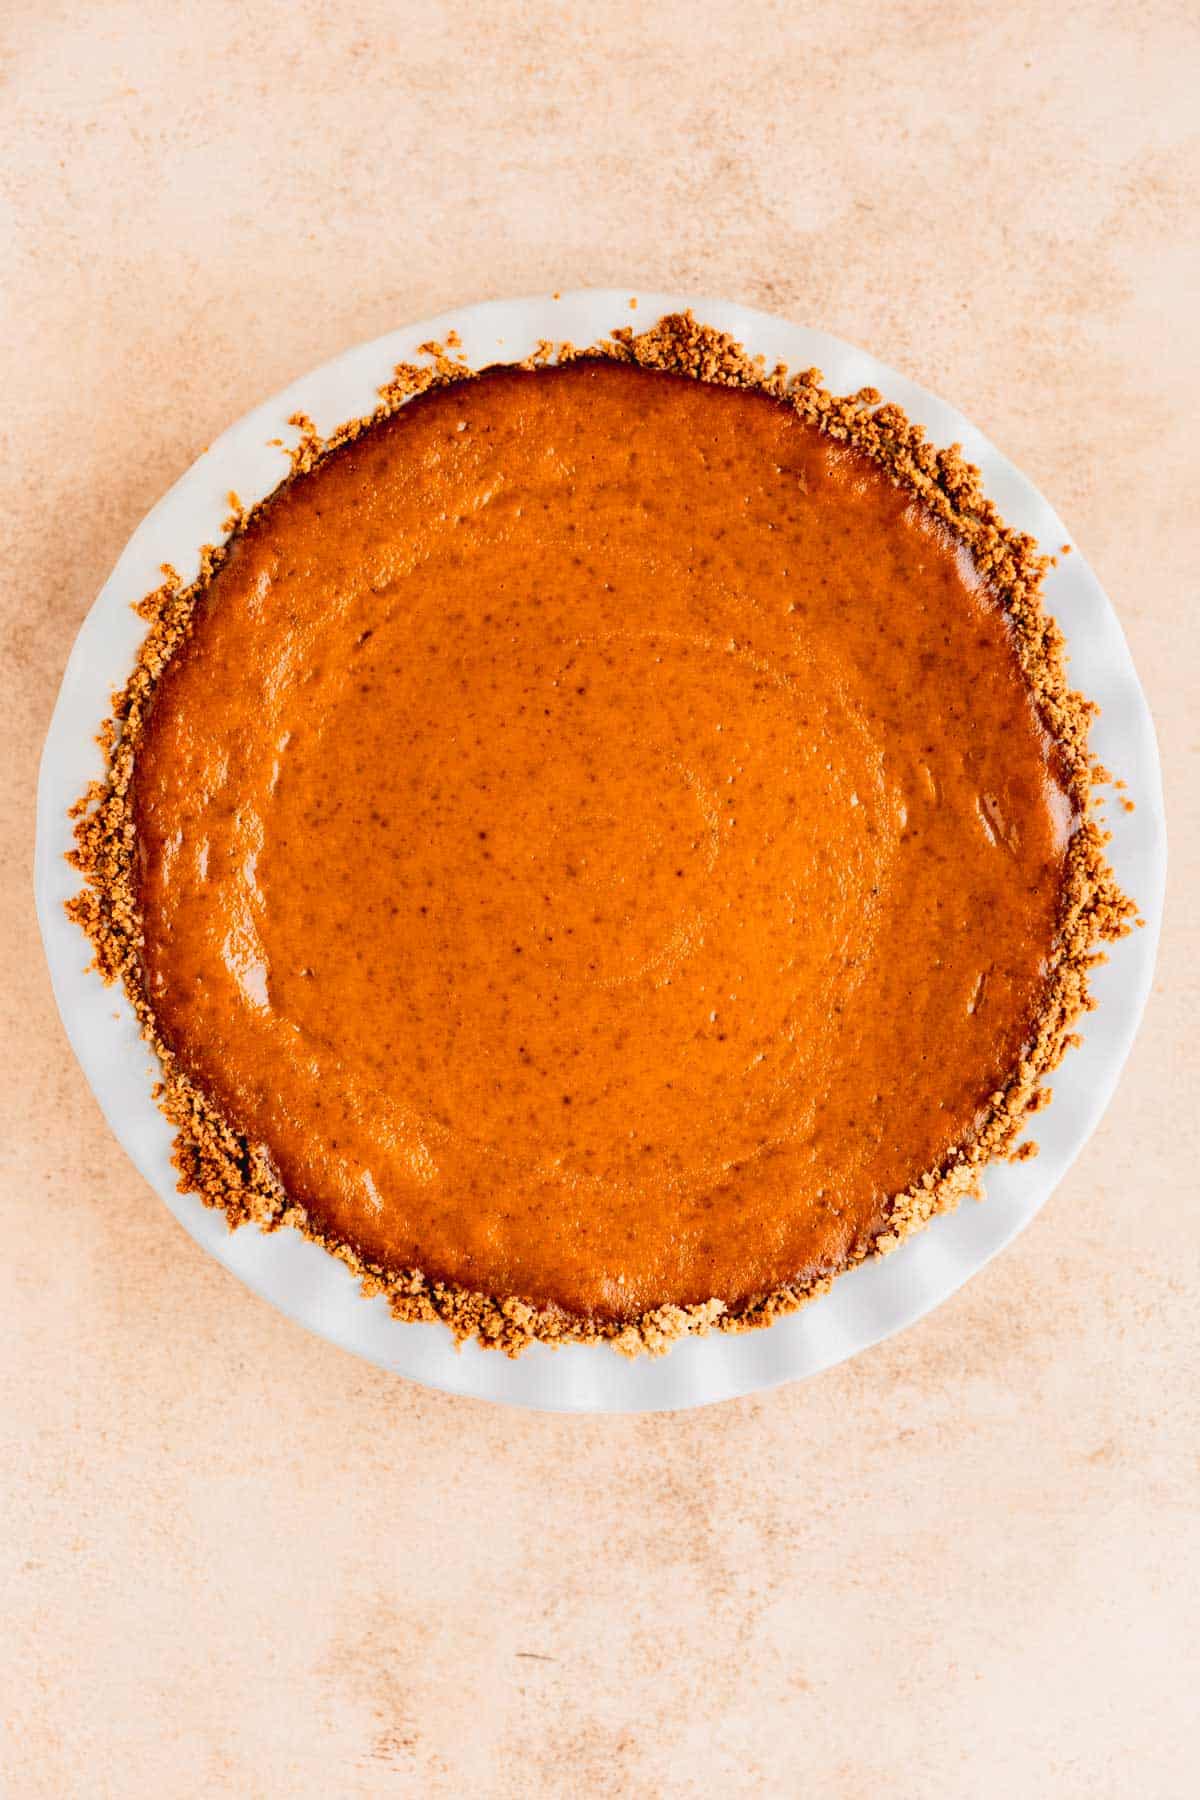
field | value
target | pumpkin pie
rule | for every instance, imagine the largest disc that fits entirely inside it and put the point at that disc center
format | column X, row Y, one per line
column 606, row 846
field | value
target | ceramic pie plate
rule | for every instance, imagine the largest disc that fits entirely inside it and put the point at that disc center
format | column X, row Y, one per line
column 864, row 1306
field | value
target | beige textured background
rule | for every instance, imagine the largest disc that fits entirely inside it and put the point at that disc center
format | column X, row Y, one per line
column 234, row 1561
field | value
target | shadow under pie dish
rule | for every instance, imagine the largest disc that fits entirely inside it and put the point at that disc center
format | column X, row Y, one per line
column 606, row 846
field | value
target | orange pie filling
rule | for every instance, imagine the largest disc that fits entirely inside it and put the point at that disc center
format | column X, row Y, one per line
column 597, row 843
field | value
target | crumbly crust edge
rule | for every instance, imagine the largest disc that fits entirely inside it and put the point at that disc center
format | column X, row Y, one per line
column 216, row 1162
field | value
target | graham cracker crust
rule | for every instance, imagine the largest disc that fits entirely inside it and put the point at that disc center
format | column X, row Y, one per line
column 228, row 1172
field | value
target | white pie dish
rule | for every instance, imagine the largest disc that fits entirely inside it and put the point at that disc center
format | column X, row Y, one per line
column 303, row 1281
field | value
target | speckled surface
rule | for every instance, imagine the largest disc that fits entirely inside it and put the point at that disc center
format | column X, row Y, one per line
column 237, row 1562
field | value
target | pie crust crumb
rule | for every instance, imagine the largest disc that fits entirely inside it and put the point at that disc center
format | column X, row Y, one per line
column 233, row 1175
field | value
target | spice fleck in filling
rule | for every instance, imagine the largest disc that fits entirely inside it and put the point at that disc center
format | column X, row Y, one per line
column 606, row 846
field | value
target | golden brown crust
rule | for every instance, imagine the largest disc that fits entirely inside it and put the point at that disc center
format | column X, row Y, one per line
column 227, row 1172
